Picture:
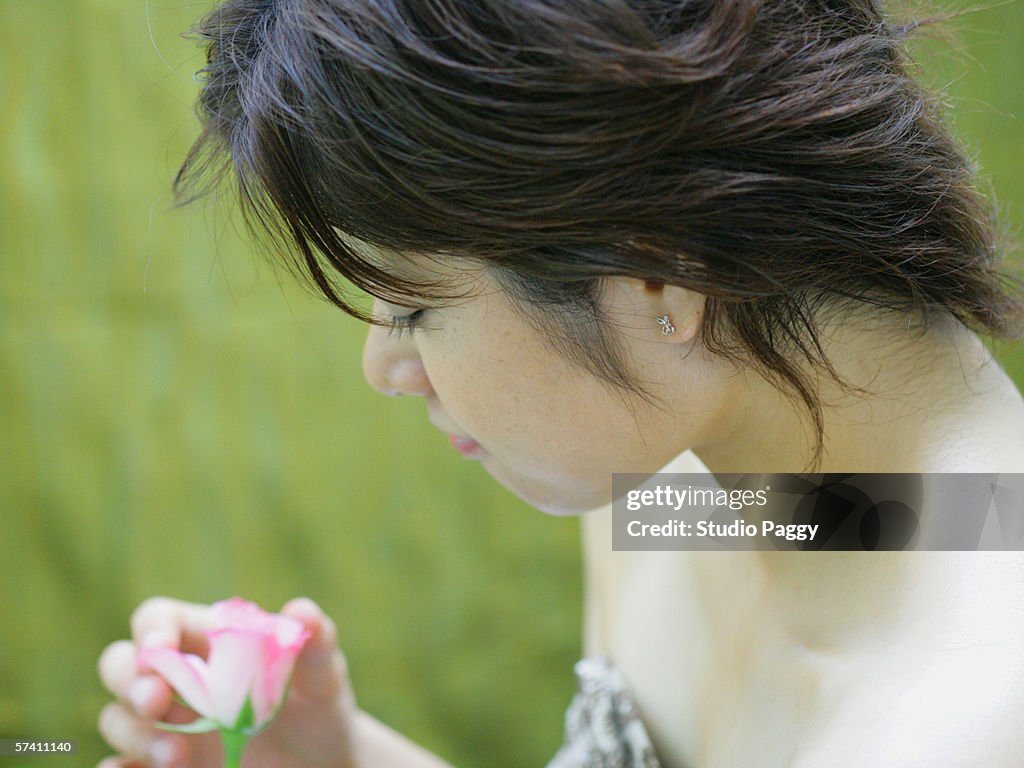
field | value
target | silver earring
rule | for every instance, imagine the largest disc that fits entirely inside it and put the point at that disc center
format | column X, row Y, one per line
column 666, row 325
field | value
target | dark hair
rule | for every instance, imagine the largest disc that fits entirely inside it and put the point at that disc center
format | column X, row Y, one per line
column 772, row 155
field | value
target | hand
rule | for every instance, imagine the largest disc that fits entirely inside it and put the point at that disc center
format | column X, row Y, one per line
column 313, row 729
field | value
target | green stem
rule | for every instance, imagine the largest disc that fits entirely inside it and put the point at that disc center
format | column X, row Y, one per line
column 234, row 743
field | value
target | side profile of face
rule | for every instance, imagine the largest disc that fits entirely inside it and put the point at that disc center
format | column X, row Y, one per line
column 549, row 431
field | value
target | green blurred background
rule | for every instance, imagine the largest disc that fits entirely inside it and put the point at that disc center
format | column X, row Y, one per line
column 175, row 420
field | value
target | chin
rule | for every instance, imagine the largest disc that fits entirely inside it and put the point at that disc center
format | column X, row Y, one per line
column 560, row 499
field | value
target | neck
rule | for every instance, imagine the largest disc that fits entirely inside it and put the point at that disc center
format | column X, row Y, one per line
column 895, row 381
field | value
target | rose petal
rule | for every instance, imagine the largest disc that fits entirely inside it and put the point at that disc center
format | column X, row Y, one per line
column 237, row 658
column 239, row 614
column 282, row 650
column 186, row 673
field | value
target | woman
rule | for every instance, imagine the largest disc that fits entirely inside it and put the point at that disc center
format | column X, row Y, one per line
column 624, row 236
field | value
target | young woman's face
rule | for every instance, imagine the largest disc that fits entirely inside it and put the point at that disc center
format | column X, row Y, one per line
column 547, row 430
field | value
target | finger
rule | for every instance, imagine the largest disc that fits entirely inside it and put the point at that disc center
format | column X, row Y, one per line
column 117, row 667
column 136, row 739
column 179, row 714
column 120, row 762
column 320, row 670
column 161, row 622
column 149, row 695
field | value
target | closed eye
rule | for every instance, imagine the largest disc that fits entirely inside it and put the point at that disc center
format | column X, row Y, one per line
column 399, row 325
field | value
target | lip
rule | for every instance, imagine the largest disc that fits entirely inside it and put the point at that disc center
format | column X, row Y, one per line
column 467, row 446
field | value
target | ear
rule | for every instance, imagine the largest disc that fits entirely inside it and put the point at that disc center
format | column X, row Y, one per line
column 656, row 311
column 685, row 310
column 653, row 310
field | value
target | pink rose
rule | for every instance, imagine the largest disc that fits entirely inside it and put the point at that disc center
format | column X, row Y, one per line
column 252, row 654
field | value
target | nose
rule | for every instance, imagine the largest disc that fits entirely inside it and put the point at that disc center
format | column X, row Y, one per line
column 392, row 365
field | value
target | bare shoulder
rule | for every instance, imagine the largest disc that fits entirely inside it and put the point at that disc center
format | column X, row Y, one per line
column 984, row 432
column 959, row 709
column 946, row 687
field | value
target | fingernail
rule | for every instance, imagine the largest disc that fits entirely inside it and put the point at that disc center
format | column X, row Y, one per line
column 141, row 693
column 156, row 639
column 162, row 752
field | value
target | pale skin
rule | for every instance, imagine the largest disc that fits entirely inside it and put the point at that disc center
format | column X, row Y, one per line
column 735, row 659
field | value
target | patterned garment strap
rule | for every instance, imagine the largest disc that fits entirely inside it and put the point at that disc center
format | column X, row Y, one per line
column 602, row 726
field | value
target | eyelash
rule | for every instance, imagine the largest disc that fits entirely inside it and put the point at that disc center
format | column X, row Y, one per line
column 403, row 324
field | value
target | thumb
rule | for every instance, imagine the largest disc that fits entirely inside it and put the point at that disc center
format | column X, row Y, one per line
column 320, row 670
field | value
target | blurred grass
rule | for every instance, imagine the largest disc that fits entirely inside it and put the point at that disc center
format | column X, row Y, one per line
column 175, row 422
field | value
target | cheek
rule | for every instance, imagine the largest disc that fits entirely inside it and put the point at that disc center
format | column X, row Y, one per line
column 498, row 389
column 459, row 381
